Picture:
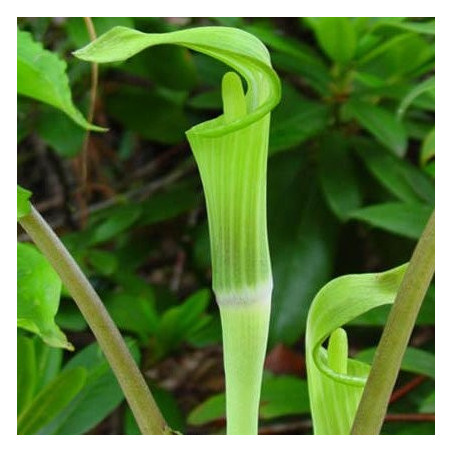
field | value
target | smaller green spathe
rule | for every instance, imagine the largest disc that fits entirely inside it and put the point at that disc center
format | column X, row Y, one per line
column 335, row 381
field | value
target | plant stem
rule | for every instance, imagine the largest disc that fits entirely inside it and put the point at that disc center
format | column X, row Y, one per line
column 396, row 334
column 245, row 331
column 146, row 412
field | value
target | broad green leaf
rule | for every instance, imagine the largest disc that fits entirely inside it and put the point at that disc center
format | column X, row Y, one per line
column 406, row 219
column 51, row 401
column 336, row 382
column 398, row 176
column 336, row 36
column 100, row 395
column 41, row 75
column 428, row 148
column 281, row 396
column 302, row 235
column 26, row 372
column 23, row 203
column 425, row 86
column 381, row 123
column 414, row 360
column 338, row 176
column 38, row 296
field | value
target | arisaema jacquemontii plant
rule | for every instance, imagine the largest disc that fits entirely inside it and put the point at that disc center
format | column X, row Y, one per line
column 231, row 154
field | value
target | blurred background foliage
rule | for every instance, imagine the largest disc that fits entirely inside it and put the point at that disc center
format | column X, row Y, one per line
column 350, row 187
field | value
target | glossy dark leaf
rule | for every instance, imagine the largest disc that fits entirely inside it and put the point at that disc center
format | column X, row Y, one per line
column 404, row 219
column 381, row 123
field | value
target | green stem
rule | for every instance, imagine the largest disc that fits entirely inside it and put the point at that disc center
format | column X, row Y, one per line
column 245, row 331
column 146, row 412
column 396, row 334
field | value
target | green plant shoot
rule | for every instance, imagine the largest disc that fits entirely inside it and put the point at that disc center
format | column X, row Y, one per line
column 231, row 154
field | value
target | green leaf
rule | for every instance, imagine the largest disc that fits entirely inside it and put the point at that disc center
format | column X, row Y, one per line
column 336, row 382
column 427, row 85
column 23, row 203
column 100, row 395
column 381, row 123
column 26, row 372
column 414, row 360
column 42, row 76
column 398, row 176
column 302, row 235
column 38, row 296
column 338, row 176
column 406, row 219
column 51, row 401
column 336, row 36
column 396, row 57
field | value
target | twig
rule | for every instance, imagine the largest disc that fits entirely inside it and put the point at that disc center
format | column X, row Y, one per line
column 93, row 94
column 405, row 389
column 410, row 417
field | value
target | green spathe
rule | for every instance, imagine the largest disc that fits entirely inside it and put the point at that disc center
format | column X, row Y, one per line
column 335, row 381
column 231, row 152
